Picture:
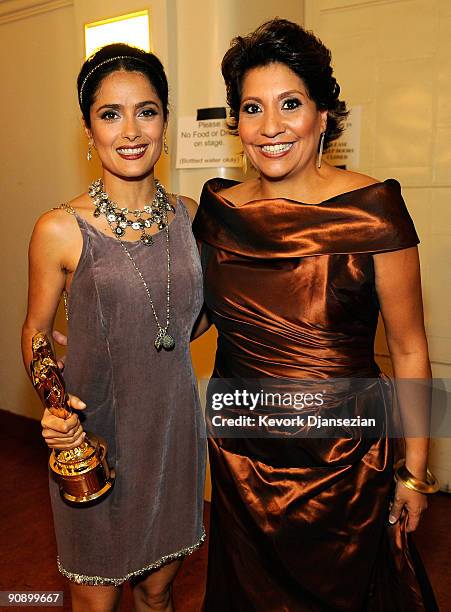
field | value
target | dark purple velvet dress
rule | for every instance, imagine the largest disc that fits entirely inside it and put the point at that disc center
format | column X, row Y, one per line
column 144, row 403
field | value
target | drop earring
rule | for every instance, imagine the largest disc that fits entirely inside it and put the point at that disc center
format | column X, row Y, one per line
column 244, row 162
column 321, row 146
column 89, row 153
column 165, row 145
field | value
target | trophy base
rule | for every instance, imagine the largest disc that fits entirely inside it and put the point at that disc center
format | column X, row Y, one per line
column 82, row 473
column 88, row 497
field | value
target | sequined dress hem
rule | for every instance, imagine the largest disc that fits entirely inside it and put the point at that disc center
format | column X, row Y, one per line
column 102, row 581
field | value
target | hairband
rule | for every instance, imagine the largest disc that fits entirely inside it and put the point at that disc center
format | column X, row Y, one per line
column 107, row 61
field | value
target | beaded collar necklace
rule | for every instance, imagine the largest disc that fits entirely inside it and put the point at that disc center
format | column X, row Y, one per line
column 154, row 213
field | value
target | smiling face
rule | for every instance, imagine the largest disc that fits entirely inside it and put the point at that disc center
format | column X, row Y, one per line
column 279, row 125
column 127, row 124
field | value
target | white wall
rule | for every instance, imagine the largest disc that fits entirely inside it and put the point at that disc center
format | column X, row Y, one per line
column 392, row 57
column 204, row 31
column 40, row 164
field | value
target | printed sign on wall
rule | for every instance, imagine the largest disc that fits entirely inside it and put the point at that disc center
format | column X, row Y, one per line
column 345, row 151
column 206, row 144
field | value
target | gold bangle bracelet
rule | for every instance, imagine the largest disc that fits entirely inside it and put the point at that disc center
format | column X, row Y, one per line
column 403, row 475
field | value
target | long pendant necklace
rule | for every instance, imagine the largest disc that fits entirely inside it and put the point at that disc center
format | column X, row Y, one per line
column 103, row 205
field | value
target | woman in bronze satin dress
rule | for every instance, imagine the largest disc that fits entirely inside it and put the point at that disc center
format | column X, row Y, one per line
column 297, row 263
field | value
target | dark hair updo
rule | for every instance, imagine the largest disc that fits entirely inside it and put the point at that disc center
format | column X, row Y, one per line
column 111, row 58
column 288, row 43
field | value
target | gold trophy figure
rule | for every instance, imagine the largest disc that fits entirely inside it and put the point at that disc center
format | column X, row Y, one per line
column 82, row 473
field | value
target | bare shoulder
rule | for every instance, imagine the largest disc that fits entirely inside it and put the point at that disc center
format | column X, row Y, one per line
column 241, row 193
column 53, row 224
column 347, row 180
column 190, row 205
column 59, row 222
column 237, row 188
column 358, row 178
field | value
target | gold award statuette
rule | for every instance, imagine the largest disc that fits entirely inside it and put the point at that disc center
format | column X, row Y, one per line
column 82, row 473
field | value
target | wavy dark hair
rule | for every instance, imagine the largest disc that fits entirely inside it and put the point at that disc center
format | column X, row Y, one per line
column 119, row 56
column 288, row 43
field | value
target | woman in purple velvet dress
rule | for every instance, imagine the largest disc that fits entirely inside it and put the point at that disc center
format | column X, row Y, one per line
column 125, row 254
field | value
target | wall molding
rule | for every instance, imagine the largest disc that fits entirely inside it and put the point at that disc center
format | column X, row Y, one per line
column 334, row 5
column 14, row 10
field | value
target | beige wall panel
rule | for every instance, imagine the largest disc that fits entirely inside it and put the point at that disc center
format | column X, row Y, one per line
column 408, row 103
column 439, row 349
column 440, row 462
column 439, row 211
column 438, row 288
column 368, row 134
column 444, row 8
column 40, row 166
column 419, row 200
column 358, row 82
column 204, row 29
column 357, row 79
column 406, row 175
column 442, row 166
column 406, row 30
column 444, row 72
column 419, row 204
column 404, row 120
column 441, row 370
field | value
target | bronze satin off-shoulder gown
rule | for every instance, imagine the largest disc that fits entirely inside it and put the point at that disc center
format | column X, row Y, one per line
column 302, row 525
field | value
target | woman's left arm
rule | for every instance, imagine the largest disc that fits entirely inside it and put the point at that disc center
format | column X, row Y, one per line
column 398, row 286
column 203, row 323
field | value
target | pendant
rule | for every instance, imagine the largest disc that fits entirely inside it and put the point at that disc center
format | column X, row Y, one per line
column 146, row 239
column 166, row 341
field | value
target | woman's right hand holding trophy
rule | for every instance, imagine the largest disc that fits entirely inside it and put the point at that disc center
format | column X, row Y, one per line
column 78, row 462
column 60, row 433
